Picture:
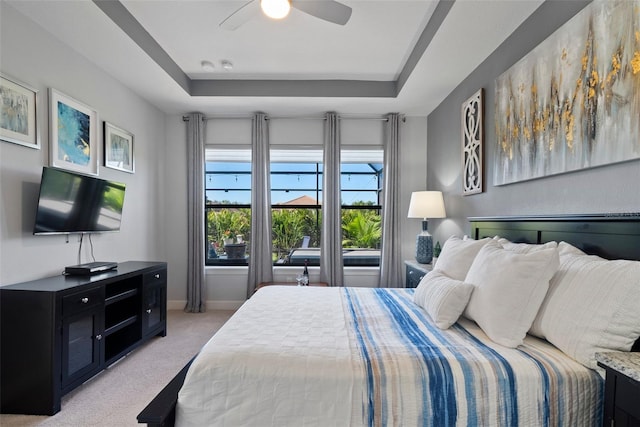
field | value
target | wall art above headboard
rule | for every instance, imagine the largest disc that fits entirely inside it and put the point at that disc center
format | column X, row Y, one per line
column 573, row 101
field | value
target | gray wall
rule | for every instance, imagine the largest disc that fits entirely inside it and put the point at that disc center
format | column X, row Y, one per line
column 33, row 56
column 611, row 188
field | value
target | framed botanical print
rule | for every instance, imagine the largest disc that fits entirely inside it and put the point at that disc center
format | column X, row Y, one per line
column 118, row 148
column 73, row 128
column 19, row 120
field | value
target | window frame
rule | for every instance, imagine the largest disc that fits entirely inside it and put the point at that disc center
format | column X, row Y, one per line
column 318, row 171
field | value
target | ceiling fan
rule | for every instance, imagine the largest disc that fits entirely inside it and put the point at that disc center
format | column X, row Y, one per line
column 328, row 10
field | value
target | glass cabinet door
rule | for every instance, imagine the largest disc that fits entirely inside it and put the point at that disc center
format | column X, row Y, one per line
column 81, row 344
column 154, row 307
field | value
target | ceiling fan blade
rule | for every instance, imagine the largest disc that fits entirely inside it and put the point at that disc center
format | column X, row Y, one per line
column 329, row 10
column 242, row 15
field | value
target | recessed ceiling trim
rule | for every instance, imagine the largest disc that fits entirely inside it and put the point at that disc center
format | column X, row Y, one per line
column 437, row 18
column 121, row 16
column 295, row 88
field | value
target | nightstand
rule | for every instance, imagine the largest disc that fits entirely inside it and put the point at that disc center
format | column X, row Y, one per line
column 622, row 388
column 415, row 272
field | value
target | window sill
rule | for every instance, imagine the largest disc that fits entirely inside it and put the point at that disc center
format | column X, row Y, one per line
column 242, row 269
column 232, row 270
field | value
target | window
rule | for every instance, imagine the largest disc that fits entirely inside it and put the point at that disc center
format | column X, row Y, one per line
column 296, row 197
column 227, row 206
column 296, row 210
column 361, row 188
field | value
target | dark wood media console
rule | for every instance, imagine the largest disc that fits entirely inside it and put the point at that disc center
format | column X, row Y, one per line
column 58, row 332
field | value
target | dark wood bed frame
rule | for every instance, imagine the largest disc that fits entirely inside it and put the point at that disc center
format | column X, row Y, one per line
column 611, row 236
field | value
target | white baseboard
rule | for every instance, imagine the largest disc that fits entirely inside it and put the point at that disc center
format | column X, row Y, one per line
column 224, row 305
column 211, row 305
column 176, row 305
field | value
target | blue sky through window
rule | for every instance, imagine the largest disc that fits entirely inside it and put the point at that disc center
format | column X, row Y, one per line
column 231, row 181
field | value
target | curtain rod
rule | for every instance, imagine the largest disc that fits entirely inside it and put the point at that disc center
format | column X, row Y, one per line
column 384, row 119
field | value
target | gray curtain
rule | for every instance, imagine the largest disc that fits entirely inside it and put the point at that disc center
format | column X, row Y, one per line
column 260, row 262
column 331, row 270
column 196, row 284
column 390, row 254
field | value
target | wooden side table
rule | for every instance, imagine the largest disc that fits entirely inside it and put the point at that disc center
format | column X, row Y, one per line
column 621, row 389
column 263, row 284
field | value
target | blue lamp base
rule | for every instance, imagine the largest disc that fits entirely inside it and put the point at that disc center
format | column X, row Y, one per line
column 424, row 248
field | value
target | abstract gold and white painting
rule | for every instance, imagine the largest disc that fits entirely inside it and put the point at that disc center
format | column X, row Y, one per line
column 574, row 101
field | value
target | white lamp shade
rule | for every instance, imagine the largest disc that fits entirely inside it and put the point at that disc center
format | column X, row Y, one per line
column 426, row 204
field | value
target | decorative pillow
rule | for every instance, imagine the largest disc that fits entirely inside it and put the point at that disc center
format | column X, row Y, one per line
column 509, row 289
column 564, row 249
column 567, row 249
column 523, row 248
column 592, row 306
column 457, row 256
column 442, row 297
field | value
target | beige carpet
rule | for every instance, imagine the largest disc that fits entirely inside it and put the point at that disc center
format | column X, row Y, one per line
column 116, row 396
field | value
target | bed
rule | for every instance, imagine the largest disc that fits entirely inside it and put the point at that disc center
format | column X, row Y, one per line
column 364, row 356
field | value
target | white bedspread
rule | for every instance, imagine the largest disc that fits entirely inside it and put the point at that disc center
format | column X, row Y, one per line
column 280, row 360
column 307, row 356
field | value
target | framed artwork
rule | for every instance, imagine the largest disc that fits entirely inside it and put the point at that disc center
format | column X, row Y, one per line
column 118, row 148
column 73, row 128
column 573, row 102
column 19, row 120
column 472, row 136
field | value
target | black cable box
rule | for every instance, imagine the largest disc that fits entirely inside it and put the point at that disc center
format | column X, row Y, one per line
column 90, row 268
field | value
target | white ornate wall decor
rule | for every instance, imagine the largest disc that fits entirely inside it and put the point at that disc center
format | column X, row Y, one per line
column 472, row 144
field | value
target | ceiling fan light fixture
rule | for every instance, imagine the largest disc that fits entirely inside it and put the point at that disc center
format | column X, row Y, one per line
column 276, row 9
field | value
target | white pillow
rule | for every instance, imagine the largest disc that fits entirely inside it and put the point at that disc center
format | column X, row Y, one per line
column 457, row 255
column 509, row 289
column 592, row 306
column 567, row 249
column 523, row 248
column 564, row 249
column 442, row 297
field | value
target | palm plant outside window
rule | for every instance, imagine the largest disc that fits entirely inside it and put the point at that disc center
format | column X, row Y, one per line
column 296, row 197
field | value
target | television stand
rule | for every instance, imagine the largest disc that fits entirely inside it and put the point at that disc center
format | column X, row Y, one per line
column 58, row 332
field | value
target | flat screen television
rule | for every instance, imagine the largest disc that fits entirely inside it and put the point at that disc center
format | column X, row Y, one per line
column 69, row 202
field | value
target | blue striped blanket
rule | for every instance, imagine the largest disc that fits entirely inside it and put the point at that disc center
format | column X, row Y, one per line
column 417, row 374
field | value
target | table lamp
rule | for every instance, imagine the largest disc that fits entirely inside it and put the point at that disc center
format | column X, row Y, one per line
column 425, row 204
